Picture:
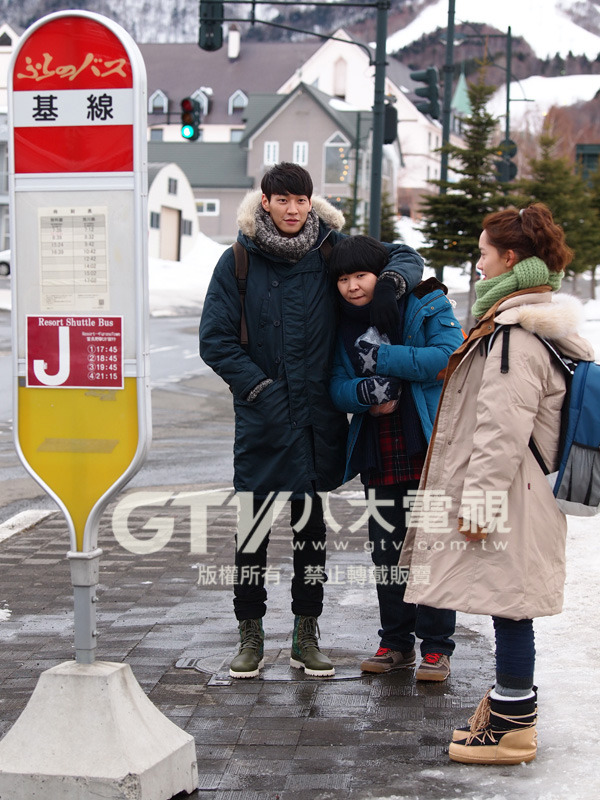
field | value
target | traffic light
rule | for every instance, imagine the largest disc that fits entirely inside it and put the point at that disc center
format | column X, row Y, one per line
column 430, row 91
column 390, row 123
column 506, row 168
column 190, row 119
column 210, row 35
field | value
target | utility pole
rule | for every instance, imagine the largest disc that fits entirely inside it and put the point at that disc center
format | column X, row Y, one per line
column 378, row 115
column 447, row 100
column 447, row 107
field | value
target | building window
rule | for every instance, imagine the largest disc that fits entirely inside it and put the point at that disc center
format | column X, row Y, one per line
column 208, row 208
column 271, row 154
column 172, row 186
column 156, row 134
column 340, row 70
column 236, row 134
column 337, row 159
column 203, row 96
column 4, row 167
column 158, row 102
column 5, row 40
column 237, row 102
column 186, row 227
column 300, row 153
column 154, row 219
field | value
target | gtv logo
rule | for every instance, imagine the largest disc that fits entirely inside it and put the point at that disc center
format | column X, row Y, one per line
column 251, row 528
column 253, row 523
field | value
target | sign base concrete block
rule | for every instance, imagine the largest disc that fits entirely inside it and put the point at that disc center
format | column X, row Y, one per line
column 89, row 731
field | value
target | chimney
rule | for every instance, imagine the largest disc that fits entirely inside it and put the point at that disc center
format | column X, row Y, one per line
column 233, row 42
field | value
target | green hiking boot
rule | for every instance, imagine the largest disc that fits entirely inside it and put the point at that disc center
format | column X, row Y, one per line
column 305, row 649
column 249, row 660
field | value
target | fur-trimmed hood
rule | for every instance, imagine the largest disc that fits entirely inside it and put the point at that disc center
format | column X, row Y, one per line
column 553, row 316
column 331, row 216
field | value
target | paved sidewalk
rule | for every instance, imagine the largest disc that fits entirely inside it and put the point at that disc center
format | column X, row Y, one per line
column 169, row 615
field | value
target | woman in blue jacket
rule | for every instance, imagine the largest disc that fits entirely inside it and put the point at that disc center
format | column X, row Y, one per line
column 392, row 387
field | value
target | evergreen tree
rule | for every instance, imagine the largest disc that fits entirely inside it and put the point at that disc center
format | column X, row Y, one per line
column 554, row 182
column 452, row 219
column 387, row 230
column 387, row 224
column 594, row 183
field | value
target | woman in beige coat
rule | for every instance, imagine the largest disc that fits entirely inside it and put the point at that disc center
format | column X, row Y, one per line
column 486, row 535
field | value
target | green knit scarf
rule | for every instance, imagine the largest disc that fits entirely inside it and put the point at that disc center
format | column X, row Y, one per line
column 524, row 275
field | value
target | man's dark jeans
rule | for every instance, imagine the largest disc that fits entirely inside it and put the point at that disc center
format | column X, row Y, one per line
column 309, row 555
column 400, row 621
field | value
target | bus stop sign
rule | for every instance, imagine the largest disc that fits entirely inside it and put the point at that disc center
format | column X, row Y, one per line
column 78, row 188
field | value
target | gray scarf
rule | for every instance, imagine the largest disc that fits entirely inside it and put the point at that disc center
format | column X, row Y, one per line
column 269, row 239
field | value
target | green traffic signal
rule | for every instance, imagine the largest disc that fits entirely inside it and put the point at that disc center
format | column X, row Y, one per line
column 190, row 119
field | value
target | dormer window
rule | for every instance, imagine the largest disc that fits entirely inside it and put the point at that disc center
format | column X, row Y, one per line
column 340, row 78
column 158, row 102
column 204, row 98
column 5, row 40
column 238, row 101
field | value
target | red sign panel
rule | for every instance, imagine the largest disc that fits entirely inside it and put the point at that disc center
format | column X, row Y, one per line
column 73, row 99
column 75, row 352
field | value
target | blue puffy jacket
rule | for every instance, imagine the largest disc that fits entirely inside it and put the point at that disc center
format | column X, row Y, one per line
column 431, row 333
column 291, row 437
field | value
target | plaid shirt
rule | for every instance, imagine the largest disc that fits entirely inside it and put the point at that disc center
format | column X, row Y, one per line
column 397, row 465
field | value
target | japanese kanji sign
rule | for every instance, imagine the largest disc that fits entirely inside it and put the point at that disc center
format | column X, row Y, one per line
column 79, row 222
column 73, row 99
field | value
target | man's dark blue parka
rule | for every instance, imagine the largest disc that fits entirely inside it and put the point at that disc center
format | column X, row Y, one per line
column 291, row 437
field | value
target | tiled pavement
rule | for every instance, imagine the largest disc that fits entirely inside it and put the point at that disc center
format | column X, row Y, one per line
column 283, row 737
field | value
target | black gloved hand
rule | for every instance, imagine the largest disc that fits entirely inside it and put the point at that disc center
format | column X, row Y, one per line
column 367, row 356
column 384, row 306
column 377, row 390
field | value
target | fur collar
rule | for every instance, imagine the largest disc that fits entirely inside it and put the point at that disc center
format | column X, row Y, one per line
column 553, row 316
column 331, row 216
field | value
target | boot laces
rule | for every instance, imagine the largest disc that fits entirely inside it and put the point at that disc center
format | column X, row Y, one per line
column 481, row 727
column 251, row 634
column 308, row 632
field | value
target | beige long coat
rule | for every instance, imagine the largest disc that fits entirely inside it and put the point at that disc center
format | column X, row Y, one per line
column 479, row 466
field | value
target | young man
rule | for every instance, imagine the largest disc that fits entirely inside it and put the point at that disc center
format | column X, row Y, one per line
column 289, row 437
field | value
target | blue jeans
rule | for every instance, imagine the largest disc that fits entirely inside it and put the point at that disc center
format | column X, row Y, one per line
column 515, row 652
column 400, row 621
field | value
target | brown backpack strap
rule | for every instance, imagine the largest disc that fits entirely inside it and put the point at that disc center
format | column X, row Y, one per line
column 326, row 248
column 241, row 276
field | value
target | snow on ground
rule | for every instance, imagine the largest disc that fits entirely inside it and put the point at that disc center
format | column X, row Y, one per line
column 179, row 284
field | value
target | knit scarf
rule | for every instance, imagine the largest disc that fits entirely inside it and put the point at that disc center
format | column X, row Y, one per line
column 524, row 275
column 292, row 248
